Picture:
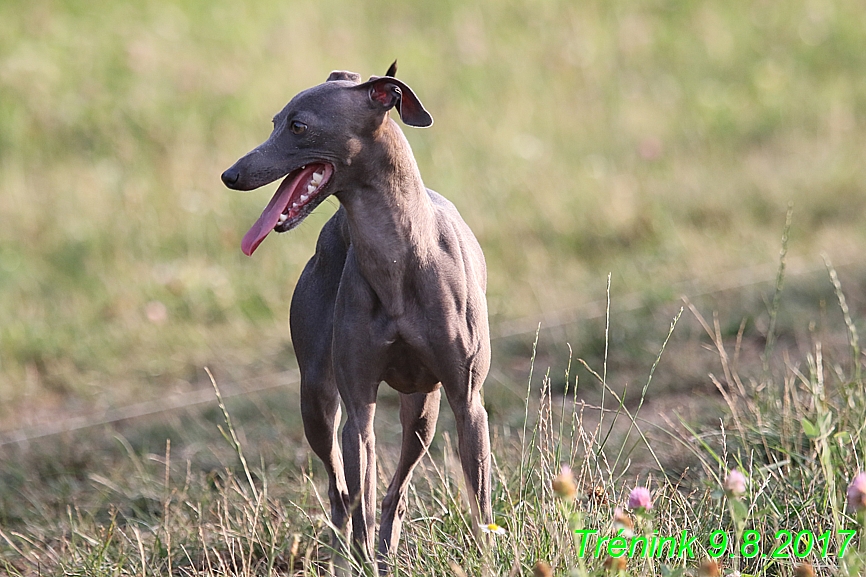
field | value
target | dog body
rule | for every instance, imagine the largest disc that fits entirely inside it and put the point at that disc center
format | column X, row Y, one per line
column 394, row 293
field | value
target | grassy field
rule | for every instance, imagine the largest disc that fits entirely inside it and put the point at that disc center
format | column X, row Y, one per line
column 170, row 497
column 660, row 142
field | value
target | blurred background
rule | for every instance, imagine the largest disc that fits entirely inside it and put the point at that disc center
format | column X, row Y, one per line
column 660, row 141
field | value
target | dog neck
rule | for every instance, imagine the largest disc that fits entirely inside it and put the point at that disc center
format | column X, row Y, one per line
column 390, row 216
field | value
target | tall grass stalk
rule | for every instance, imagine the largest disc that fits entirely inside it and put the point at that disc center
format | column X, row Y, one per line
column 777, row 289
column 853, row 339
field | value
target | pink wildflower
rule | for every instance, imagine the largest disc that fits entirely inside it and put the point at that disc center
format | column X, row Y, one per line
column 640, row 499
column 857, row 493
column 735, row 483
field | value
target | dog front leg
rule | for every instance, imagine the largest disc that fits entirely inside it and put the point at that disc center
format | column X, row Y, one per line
column 359, row 456
column 418, row 415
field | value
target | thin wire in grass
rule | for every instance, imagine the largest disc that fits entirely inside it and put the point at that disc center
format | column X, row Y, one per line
column 777, row 292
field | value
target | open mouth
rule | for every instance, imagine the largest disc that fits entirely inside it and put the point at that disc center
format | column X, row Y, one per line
column 297, row 196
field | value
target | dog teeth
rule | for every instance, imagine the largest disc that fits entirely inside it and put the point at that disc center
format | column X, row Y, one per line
column 294, row 205
column 311, row 188
column 317, row 177
column 283, row 218
column 304, row 198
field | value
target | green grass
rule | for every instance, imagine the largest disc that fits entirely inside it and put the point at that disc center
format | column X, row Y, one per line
column 659, row 141
column 124, row 500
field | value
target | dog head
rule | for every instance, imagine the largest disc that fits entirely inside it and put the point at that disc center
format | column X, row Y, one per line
column 315, row 139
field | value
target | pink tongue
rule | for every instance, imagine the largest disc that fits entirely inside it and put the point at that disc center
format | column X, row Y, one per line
column 271, row 215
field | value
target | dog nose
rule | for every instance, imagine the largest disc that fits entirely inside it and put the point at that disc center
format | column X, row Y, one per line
column 230, row 177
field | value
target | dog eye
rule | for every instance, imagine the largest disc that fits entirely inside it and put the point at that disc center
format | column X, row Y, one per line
column 297, row 127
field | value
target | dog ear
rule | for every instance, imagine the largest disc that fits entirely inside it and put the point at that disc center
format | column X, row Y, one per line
column 345, row 75
column 392, row 70
column 389, row 92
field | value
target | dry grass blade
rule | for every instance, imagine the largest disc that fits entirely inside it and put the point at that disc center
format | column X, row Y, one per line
column 854, row 340
column 232, row 437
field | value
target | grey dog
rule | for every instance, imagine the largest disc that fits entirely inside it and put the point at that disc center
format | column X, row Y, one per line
column 395, row 292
